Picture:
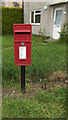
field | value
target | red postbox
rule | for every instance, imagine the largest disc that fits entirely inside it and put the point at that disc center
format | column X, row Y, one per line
column 22, row 44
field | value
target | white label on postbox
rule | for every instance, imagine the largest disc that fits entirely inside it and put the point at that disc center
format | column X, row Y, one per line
column 22, row 52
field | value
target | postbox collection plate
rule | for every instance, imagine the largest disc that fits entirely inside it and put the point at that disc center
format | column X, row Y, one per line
column 22, row 52
column 22, row 44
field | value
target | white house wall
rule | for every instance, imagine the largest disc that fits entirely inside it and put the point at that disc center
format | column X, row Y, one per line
column 48, row 1
column 46, row 16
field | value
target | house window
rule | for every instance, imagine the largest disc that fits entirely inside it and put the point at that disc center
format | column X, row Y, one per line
column 58, row 17
column 16, row 4
column 32, row 17
column 35, row 17
column 2, row 3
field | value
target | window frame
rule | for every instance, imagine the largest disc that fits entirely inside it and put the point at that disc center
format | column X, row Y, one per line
column 35, row 16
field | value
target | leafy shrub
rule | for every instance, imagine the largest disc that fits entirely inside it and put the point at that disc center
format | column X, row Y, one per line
column 64, row 34
column 10, row 16
column 36, row 73
column 42, row 35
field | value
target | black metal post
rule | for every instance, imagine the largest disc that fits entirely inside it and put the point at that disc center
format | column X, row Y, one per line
column 23, row 78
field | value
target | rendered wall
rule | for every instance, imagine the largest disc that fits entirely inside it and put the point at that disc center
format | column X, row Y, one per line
column 46, row 16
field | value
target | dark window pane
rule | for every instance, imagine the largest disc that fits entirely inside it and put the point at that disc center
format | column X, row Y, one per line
column 38, row 11
column 37, row 18
column 32, row 17
column 16, row 5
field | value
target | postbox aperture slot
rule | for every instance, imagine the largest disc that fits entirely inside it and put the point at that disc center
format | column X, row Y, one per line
column 22, row 32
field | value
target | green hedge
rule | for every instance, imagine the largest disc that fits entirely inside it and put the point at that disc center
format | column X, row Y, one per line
column 11, row 16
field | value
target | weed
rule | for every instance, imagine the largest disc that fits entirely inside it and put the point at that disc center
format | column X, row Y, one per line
column 64, row 34
column 58, row 76
column 43, row 105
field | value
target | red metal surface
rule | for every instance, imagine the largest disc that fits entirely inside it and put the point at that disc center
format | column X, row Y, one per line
column 22, row 33
column 22, row 36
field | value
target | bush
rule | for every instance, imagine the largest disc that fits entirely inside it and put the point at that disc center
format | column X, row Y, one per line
column 64, row 34
column 11, row 16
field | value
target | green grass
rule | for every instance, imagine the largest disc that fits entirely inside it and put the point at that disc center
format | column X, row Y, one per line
column 42, row 105
column 7, row 40
column 46, row 58
column 9, row 70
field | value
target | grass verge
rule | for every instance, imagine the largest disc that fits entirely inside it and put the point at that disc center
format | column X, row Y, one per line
column 42, row 105
column 46, row 58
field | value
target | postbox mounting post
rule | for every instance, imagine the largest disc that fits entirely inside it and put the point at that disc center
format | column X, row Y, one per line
column 23, row 78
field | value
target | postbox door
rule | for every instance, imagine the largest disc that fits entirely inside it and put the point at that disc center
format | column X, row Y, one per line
column 22, row 53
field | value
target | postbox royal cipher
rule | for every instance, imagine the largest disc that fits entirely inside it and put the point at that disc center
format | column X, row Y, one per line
column 22, row 44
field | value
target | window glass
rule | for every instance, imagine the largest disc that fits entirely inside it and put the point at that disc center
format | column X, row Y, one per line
column 37, row 18
column 58, row 17
column 2, row 3
column 16, row 4
column 38, row 11
column 32, row 17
